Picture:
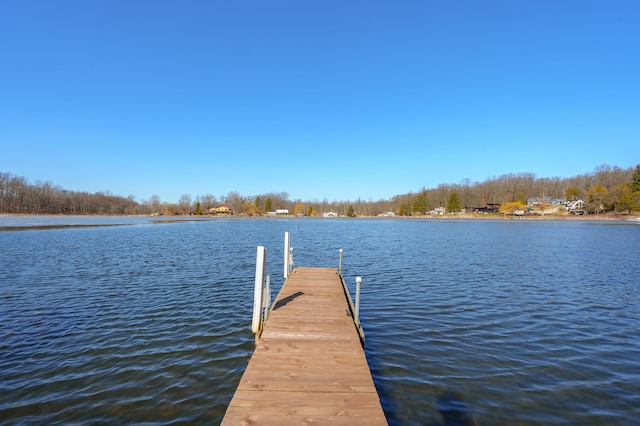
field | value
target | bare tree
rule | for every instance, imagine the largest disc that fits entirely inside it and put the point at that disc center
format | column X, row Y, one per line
column 184, row 204
column 208, row 201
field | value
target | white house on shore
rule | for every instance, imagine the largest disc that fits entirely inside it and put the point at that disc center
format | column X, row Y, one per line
column 577, row 207
column 278, row 212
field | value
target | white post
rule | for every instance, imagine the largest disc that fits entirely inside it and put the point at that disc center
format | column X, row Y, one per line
column 286, row 255
column 358, row 282
column 256, row 322
column 340, row 268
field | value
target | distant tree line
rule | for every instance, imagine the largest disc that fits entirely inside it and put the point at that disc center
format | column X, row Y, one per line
column 607, row 188
column 17, row 195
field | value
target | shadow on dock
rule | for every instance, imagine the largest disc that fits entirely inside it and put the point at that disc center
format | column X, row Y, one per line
column 287, row 299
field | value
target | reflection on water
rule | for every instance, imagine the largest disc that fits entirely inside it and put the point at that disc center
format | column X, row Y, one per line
column 467, row 322
column 453, row 410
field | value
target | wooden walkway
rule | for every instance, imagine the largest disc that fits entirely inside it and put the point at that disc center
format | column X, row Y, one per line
column 309, row 365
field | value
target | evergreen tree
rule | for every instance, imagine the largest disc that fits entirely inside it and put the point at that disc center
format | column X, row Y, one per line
column 267, row 204
column 421, row 203
column 198, row 209
column 350, row 212
column 405, row 208
column 635, row 179
column 453, row 204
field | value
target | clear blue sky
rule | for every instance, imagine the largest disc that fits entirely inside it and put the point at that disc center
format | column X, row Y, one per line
column 320, row 99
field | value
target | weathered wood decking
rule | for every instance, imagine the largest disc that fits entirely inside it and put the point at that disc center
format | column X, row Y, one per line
column 309, row 366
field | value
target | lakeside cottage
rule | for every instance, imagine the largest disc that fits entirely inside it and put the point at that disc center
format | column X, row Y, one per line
column 278, row 212
column 223, row 210
column 577, row 207
column 488, row 208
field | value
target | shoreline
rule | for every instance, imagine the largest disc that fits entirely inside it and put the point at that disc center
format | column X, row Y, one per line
column 611, row 217
column 472, row 216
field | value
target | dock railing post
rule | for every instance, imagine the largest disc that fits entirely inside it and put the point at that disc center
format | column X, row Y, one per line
column 340, row 266
column 286, row 255
column 357, row 313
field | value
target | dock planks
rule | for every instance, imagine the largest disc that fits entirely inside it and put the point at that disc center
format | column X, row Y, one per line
column 309, row 366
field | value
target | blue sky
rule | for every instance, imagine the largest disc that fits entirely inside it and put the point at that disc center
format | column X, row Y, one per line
column 321, row 99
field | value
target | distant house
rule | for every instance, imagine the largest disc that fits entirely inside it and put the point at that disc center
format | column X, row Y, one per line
column 437, row 211
column 278, row 212
column 577, row 207
column 385, row 214
column 488, row 208
column 330, row 214
column 221, row 210
column 546, row 200
column 534, row 201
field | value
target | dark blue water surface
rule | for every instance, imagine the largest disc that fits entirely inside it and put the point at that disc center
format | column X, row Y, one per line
column 497, row 322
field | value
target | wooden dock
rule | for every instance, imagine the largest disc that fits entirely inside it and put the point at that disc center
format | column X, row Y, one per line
column 309, row 365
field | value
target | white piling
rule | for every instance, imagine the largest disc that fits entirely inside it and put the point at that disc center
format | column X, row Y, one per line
column 256, row 321
column 340, row 267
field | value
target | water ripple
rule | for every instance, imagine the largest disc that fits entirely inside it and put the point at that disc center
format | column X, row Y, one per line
column 513, row 323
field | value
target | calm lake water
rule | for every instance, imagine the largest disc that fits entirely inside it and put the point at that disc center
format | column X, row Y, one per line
column 509, row 322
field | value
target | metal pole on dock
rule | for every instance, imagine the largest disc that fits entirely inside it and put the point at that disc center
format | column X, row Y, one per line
column 340, row 268
column 267, row 299
column 290, row 260
column 357, row 315
column 286, row 255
